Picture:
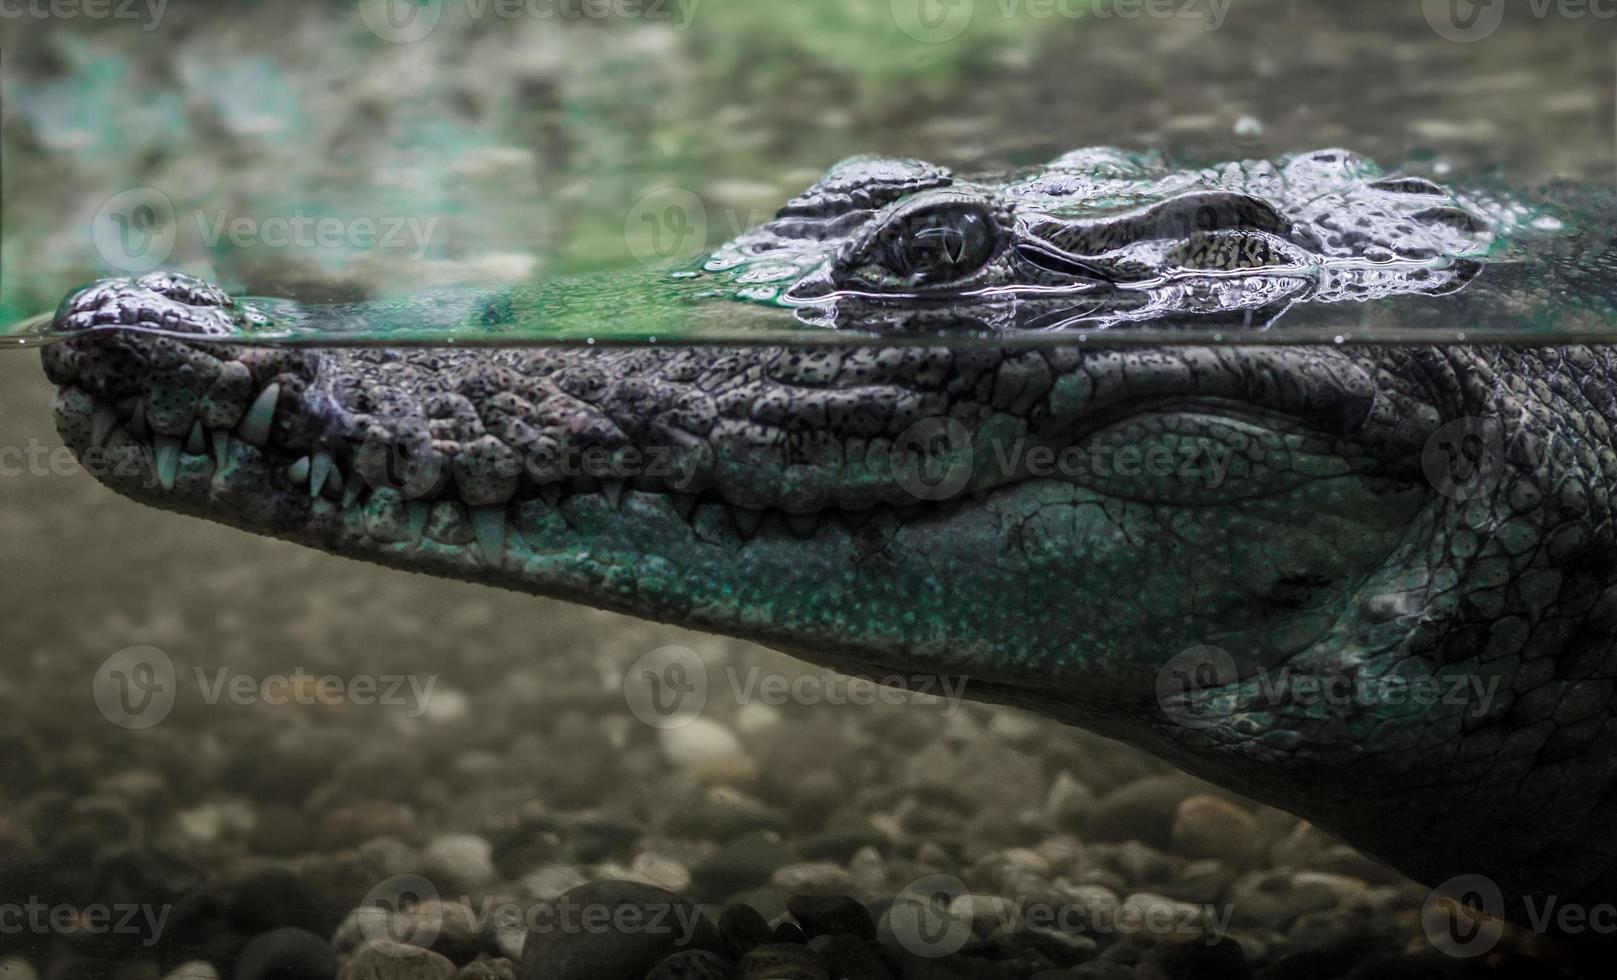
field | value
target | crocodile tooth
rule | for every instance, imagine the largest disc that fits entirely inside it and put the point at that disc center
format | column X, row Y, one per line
column 255, row 425
column 221, row 447
column 196, row 443
column 320, row 468
column 168, row 460
column 299, row 471
column 684, row 505
column 551, row 492
column 803, row 525
column 489, row 523
column 747, row 521
column 612, row 490
column 137, row 422
column 101, row 422
column 418, row 510
column 350, row 494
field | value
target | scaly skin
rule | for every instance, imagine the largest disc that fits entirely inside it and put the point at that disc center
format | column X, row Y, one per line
column 1307, row 525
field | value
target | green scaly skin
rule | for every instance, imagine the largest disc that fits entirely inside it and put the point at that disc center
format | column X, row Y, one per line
column 1371, row 515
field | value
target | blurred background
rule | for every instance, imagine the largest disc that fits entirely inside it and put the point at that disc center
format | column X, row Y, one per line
column 503, row 142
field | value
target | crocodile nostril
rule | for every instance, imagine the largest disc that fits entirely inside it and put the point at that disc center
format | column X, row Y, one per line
column 164, row 301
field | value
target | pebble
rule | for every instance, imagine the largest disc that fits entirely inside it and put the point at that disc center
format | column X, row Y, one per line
column 363, row 924
column 663, row 872
column 783, row 961
column 651, row 925
column 1161, row 917
column 692, row 964
column 842, row 841
column 387, row 960
column 699, row 740
column 1328, row 931
column 787, row 931
column 725, row 812
column 741, row 928
column 465, row 856
column 1210, row 827
column 1276, row 898
column 1143, row 810
column 848, row 956
column 551, row 881
column 287, row 953
column 813, row 878
column 449, row 928
column 833, row 915
column 17, row 968
column 1068, row 801
column 744, row 862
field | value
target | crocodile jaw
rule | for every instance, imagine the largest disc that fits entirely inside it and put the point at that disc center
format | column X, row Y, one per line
column 782, row 511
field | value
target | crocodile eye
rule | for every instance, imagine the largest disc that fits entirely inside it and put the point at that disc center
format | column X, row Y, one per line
column 929, row 244
column 938, row 245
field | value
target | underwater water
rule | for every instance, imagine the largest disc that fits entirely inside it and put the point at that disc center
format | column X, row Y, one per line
column 330, row 735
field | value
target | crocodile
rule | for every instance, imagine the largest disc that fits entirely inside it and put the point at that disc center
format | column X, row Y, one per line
column 1373, row 585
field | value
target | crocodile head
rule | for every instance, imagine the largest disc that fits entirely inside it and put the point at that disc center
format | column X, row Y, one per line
column 1060, row 527
column 1101, row 238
